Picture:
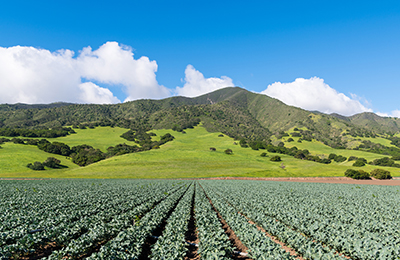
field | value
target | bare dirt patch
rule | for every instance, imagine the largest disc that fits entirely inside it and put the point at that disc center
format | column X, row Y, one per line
column 340, row 180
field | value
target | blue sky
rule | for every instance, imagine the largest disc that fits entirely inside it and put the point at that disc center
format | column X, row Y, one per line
column 338, row 47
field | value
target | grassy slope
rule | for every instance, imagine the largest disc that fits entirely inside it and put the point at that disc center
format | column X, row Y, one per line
column 187, row 156
column 15, row 157
column 100, row 137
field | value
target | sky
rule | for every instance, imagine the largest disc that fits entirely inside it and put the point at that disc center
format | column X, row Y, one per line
column 332, row 56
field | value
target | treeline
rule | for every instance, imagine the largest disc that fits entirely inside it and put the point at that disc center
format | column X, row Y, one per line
column 281, row 149
column 44, row 133
column 84, row 154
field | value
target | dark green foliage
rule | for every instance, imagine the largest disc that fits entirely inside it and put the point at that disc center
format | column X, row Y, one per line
column 332, row 156
column 325, row 161
column 290, row 139
column 4, row 140
column 55, row 147
column 46, row 133
column 17, row 141
column 37, row 166
column 396, row 158
column 339, row 158
column 228, row 151
column 121, row 149
column 52, row 162
column 352, row 158
column 295, row 134
column 243, row 143
column 359, row 175
column 378, row 148
column 213, row 149
column 31, row 141
column 275, row 158
column 85, row 154
column 385, row 161
column 360, row 162
column 380, row 174
column 263, row 154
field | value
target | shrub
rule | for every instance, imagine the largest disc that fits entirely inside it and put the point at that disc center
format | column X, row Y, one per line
column 296, row 134
column 212, row 149
column 228, row 151
column 360, row 162
column 352, row 158
column 276, row 158
column 396, row 158
column 37, row 166
column 380, row 174
column 332, row 156
column 52, row 162
column 339, row 158
column 290, row 139
column 359, row 175
column 263, row 155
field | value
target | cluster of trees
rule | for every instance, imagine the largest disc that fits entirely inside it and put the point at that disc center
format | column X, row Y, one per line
column 385, row 161
column 337, row 158
column 85, row 154
column 369, row 146
column 360, row 174
column 45, row 133
column 50, row 162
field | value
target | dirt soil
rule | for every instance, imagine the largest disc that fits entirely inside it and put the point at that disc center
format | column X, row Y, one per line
column 341, row 180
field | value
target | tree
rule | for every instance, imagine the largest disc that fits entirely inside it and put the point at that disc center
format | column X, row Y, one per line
column 52, row 162
column 380, row 174
column 276, row 158
column 263, row 155
column 228, row 151
column 36, row 166
column 358, row 175
column 360, row 162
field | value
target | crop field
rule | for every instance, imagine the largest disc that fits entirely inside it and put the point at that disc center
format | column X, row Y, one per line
column 203, row 219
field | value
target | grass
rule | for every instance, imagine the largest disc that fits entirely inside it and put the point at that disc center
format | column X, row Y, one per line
column 15, row 157
column 188, row 156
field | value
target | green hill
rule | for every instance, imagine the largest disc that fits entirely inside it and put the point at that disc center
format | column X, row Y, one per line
column 187, row 156
column 247, row 118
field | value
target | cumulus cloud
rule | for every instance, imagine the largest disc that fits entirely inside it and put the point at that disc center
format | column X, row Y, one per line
column 32, row 75
column 315, row 94
column 196, row 84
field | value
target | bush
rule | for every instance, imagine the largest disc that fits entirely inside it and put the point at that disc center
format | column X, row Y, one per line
column 37, row 166
column 332, row 156
column 360, row 162
column 339, row 158
column 381, row 174
column 52, row 162
column 263, row 155
column 276, row 158
column 213, row 149
column 352, row 158
column 290, row 139
column 228, row 151
column 358, row 175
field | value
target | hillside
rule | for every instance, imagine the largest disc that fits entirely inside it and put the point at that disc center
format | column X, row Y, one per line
column 236, row 112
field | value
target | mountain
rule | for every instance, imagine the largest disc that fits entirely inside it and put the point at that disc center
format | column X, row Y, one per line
column 234, row 111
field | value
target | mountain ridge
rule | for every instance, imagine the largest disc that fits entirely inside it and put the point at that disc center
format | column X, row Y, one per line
column 235, row 111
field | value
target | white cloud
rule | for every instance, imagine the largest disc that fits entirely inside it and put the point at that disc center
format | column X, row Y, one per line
column 91, row 93
column 32, row 75
column 315, row 94
column 196, row 84
column 394, row 113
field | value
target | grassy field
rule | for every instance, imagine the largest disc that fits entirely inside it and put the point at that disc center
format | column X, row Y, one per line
column 187, row 156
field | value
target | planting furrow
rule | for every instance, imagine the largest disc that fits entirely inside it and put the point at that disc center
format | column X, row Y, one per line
column 259, row 245
column 306, row 246
column 171, row 242
column 128, row 244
